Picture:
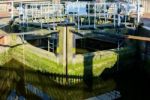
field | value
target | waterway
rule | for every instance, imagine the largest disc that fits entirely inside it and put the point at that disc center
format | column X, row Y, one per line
column 19, row 81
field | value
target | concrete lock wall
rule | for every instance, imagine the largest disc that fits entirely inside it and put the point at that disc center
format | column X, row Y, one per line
column 145, row 48
column 89, row 63
column 94, row 62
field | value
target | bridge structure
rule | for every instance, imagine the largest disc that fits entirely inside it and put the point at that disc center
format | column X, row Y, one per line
column 82, row 14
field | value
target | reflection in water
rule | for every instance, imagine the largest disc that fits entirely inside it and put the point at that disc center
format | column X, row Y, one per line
column 88, row 75
column 113, row 95
column 14, row 96
column 38, row 92
column 13, row 82
column 44, row 85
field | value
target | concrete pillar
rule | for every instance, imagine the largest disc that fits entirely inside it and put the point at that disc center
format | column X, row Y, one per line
column 65, row 49
column 61, row 49
column 70, row 41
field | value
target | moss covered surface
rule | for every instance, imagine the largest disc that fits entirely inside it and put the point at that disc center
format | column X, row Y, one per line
column 93, row 62
column 45, row 61
column 98, row 61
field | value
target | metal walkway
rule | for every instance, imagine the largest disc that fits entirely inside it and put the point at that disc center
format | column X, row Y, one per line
column 83, row 14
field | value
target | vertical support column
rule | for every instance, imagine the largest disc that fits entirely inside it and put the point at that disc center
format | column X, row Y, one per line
column 125, row 16
column 48, row 44
column 23, row 14
column 20, row 8
column 138, row 11
column 70, row 46
column 78, row 17
column 12, row 10
column 105, row 11
column 27, row 19
column 61, row 13
column 41, row 15
column 119, row 14
column 48, row 13
column 128, row 14
column 119, row 20
column 94, row 15
column 115, row 11
column 32, row 11
column 73, row 15
column 89, row 18
column 99, row 17
column 53, row 16
column 25, row 6
column 61, row 49
column 36, row 12
column 65, row 48
column 70, row 17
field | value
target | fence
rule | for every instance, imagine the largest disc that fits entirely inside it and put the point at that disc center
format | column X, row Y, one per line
column 83, row 14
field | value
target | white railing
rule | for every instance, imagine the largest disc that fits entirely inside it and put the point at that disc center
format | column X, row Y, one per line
column 41, row 12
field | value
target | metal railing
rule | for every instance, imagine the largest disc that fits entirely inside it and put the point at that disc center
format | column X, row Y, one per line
column 83, row 14
column 76, row 12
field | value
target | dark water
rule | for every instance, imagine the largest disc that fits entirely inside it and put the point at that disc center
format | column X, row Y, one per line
column 23, row 82
column 133, row 85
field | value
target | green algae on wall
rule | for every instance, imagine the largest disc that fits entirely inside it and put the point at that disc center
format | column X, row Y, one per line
column 45, row 61
column 5, row 57
column 35, row 60
column 96, row 61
